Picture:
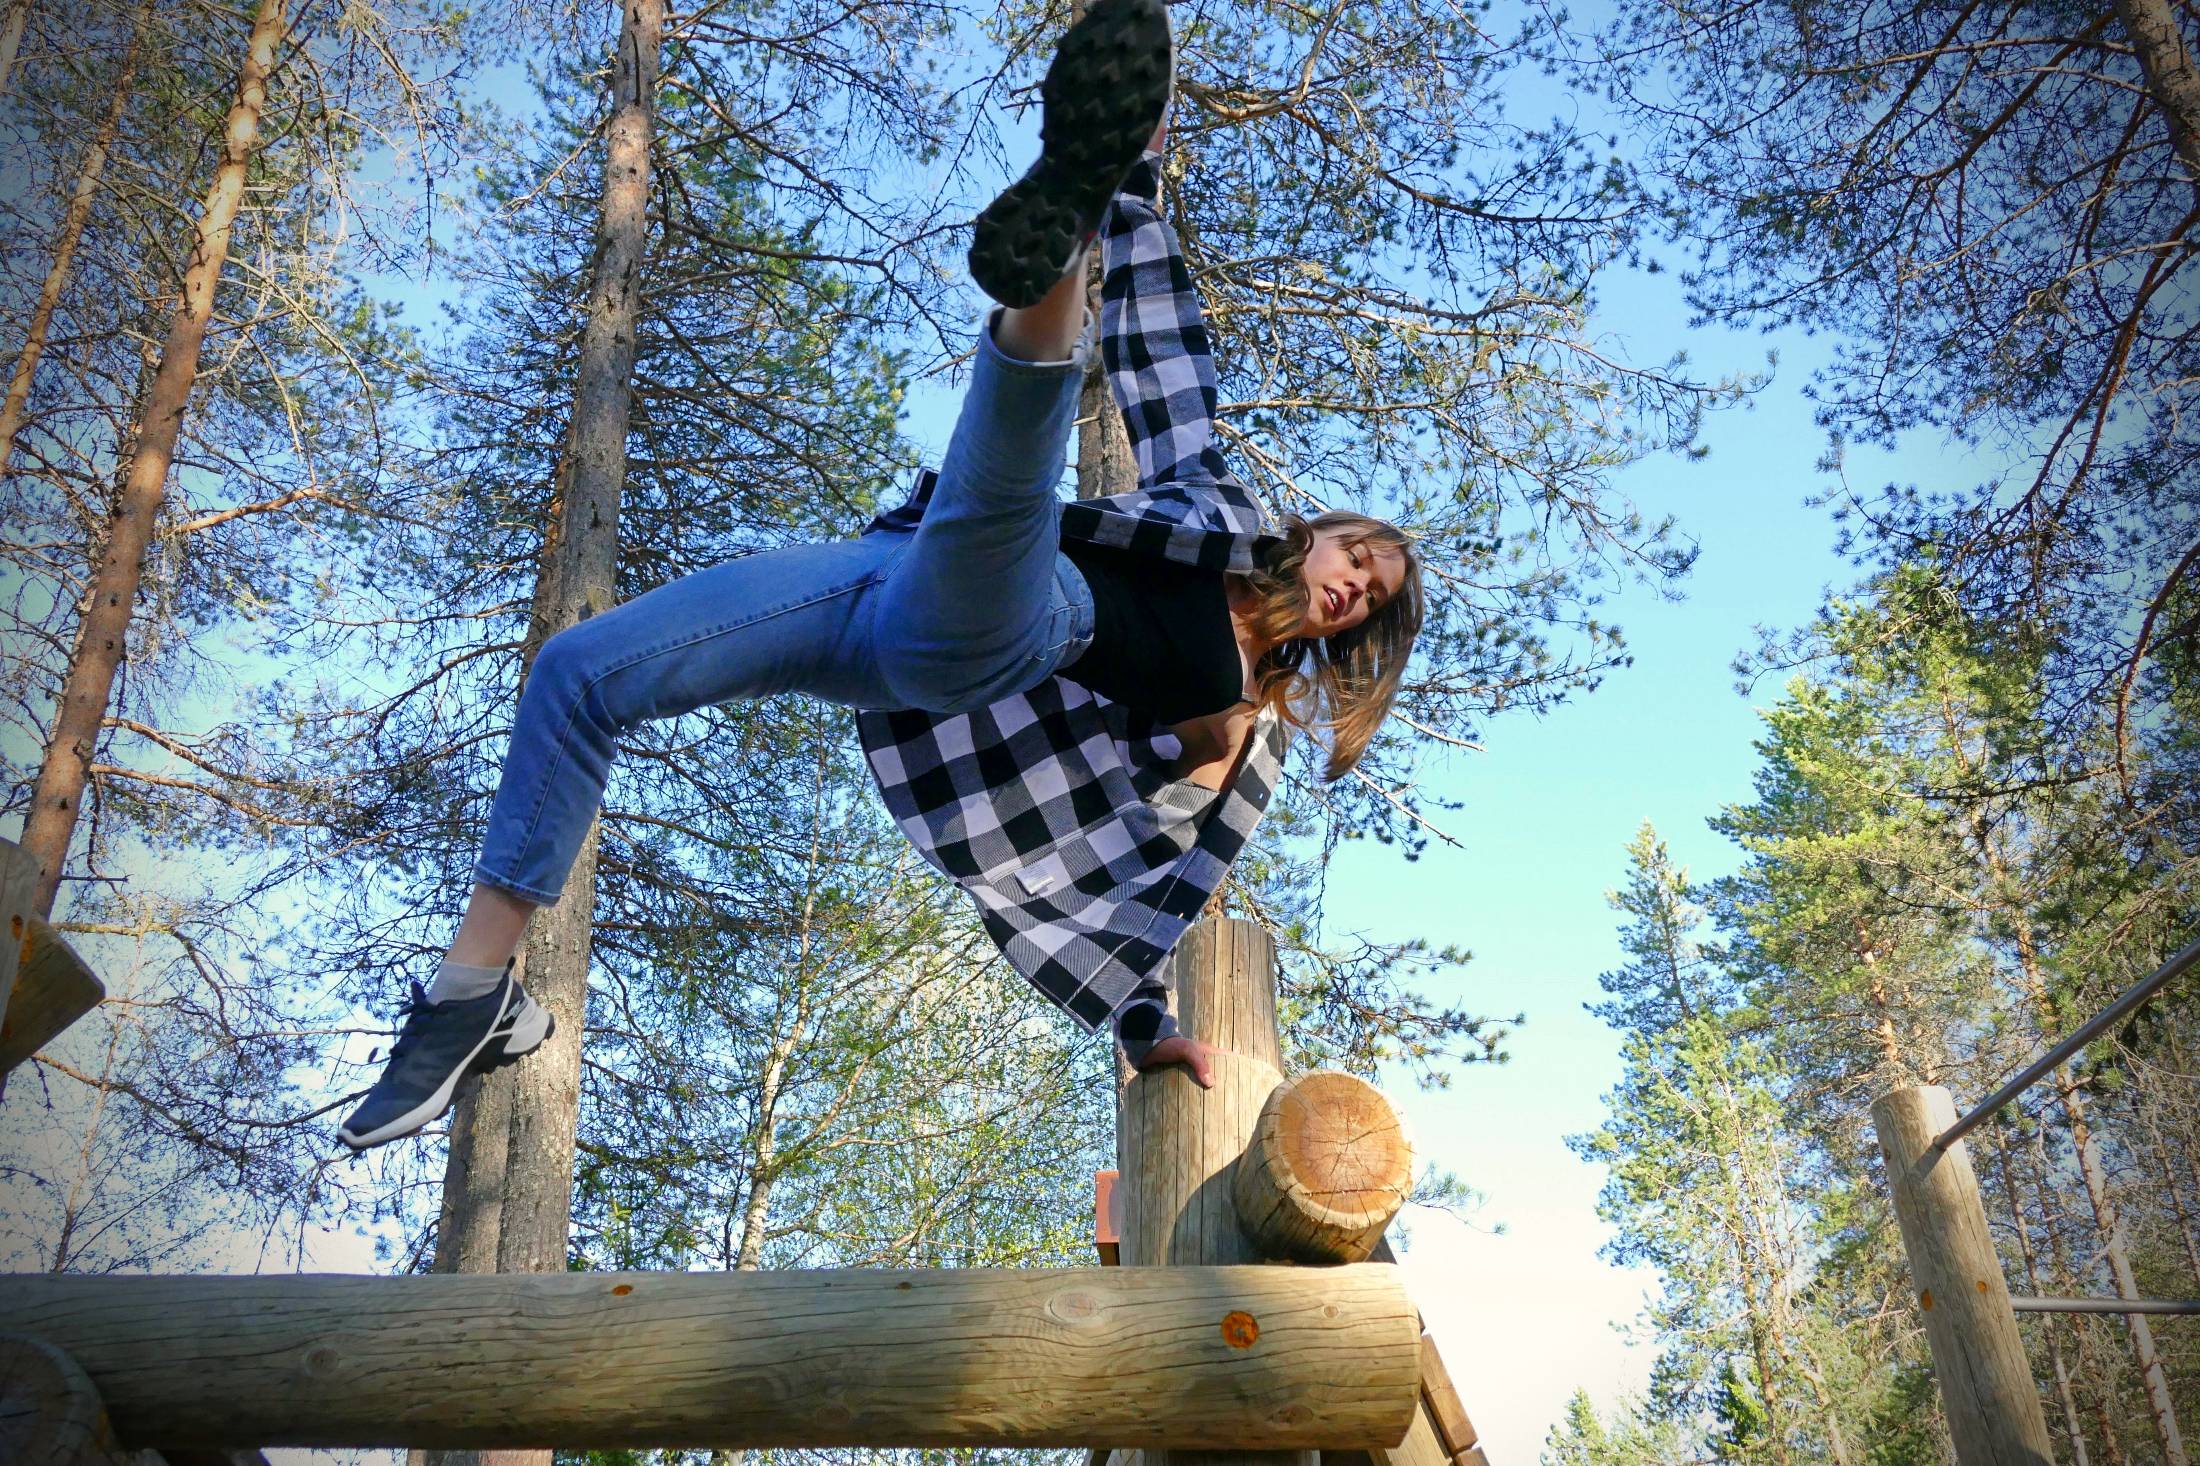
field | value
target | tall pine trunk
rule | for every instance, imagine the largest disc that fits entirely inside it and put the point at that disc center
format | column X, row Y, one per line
column 101, row 636
column 508, row 1184
column 2166, row 61
column 2144, row 1354
column 72, row 230
column 2006, row 894
column 2099, row 1375
column 11, row 36
column 2050, row 1329
column 1104, row 462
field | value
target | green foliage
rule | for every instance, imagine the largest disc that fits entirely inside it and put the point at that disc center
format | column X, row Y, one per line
column 1926, row 894
column 285, row 473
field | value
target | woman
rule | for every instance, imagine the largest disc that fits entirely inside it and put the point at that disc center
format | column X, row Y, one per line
column 1077, row 711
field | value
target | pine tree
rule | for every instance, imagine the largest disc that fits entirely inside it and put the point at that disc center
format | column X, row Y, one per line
column 181, row 586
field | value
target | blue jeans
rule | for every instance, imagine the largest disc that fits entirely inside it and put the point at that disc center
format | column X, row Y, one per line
column 976, row 605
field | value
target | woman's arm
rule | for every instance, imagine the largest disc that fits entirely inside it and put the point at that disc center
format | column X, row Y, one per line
column 1213, row 745
column 1153, row 339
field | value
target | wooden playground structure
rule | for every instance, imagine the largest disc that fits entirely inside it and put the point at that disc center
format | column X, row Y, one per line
column 1987, row 1390
column 1247, row 1309
column 1253, row 1312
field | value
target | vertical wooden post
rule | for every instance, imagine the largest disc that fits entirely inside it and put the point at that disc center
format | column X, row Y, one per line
column 1986, row 1385
column 1175, row 1143
column 18, row 883
column 53, row 989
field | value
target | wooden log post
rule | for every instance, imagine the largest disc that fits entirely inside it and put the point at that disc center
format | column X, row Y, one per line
column 1175, row 1143
column 18, row 882
column 1328, row 1166
column 1178, row 1357
column 53, row 989
column 1986, row 1385
column 1178, row 1145
column 49, row 1410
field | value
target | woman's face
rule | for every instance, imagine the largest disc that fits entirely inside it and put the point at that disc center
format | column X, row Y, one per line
column 1347, row 580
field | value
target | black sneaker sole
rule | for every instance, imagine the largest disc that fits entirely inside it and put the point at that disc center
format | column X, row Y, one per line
column 1104, row 96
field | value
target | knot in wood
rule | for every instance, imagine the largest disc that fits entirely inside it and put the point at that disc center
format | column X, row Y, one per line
column 1074, row 1305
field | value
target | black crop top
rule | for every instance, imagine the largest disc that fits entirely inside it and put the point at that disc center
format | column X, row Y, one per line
column 1161, row 635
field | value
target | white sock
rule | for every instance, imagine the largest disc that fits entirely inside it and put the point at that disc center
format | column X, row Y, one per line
column 454, row 981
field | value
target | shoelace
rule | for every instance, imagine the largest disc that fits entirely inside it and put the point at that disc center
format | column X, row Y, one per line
column 408, row 1035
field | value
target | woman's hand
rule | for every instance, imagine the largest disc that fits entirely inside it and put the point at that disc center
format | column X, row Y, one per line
column 1189, row 1052
column 1208, row 748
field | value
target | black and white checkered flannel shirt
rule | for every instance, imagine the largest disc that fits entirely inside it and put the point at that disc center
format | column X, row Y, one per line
column 1055, row 809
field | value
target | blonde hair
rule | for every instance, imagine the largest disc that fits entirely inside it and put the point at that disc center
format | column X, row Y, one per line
column 1343, row 684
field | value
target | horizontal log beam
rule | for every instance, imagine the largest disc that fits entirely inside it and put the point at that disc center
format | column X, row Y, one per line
column 1163, row 1357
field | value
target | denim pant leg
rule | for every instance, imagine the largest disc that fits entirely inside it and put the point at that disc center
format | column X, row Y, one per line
column 983, row 605
column 798, row 619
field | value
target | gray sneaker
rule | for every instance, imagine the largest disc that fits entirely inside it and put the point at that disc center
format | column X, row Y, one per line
column 439, row 1043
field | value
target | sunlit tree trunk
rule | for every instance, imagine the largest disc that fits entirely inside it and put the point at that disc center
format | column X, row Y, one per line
column 520, row 1124
column 1757, row 1267
column 771, row 1080
column 102, row 634
column 2145, row 1105
column 64, row 250
column 2006, row 895
column 2144, row 1354
column 11, row 37
column 2072, row 1426
column 1105, row 466
column 2167, row 61
column 2098, row 1375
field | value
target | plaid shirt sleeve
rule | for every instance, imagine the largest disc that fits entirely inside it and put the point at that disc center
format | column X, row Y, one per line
column 1153, row 340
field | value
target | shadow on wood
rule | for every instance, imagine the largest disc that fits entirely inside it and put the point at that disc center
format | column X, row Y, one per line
column 53, row 988
column 49, row 1411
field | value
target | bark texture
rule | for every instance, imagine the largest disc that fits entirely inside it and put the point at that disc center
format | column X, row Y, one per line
column 18, row 15
column 1986, row 1387
column 72, row 230
column 49, row 1411
column 2167, row 61
column 1176, row 1144
column 508, row 1183
column 102, row 635
column 53, row 989
column 855, row 1357
column 1104, row 462
column 1328, row 1166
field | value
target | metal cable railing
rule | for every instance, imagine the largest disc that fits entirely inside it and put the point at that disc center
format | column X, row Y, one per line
column 2090, row 1030
column 1985, row 1381
column 2105, row 1305
column 2046, row 1063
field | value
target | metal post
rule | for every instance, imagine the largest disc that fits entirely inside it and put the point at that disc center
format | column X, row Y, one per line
column 2106, row 1305
column 1986, row 1386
